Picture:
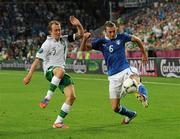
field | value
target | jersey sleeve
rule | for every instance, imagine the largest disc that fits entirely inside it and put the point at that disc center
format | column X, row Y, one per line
column 42, row 52
column 127, row 37
column 97, row 45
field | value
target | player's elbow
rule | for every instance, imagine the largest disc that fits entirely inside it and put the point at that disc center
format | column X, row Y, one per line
column 80, row 33
column 136, row 39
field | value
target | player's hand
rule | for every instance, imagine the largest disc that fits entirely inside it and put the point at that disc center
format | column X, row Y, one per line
column 26, row 79
column 144, row 59
column 74, row 21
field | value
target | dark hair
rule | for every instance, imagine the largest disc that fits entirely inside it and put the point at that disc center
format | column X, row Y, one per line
column 109, row 24
column 51, row 23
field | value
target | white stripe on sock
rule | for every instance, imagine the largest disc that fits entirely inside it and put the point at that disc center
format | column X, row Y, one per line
column 55, row 80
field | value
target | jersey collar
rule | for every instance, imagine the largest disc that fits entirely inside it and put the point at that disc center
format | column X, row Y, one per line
column 107, row 38
column 49, row 37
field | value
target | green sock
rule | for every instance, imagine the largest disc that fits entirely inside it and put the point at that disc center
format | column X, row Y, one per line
column 64, row 110
column 63, row 114
column 52, row 87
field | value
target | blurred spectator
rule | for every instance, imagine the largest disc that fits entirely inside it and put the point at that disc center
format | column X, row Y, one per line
column 23, row 23
column 157, row 26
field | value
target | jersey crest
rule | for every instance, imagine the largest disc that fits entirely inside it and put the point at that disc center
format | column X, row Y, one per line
column 118, row 42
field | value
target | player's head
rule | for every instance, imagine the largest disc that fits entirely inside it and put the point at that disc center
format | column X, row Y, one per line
column 110, row 29
column 54, row 28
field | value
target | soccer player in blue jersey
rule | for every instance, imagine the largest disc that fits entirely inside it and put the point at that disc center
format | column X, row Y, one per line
column 112, row 45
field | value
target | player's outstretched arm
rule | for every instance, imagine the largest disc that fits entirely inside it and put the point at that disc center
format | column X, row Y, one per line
column 84, row 46
column 28, row 77
column 141, row 46
column 75, row 22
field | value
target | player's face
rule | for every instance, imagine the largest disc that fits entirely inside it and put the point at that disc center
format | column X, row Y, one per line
column 111, row 32
column 55, row 31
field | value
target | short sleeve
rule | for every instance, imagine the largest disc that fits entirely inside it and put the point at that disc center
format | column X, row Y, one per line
column 127, row 37
column 97, row 45
column 42, row 52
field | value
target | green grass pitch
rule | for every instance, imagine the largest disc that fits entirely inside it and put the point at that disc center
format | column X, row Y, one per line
column 91, row 116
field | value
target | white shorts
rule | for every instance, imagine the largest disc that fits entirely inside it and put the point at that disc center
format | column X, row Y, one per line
column 116, row 81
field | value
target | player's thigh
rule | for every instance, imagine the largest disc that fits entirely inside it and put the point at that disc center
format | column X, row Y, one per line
column 136, row 78
column 114, row 91
column 53, row 70
column 128, row 74
column 115, row 86
column 65, row 82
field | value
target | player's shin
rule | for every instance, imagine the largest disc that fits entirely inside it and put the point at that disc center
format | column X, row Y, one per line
column 53, row 85
column 126, row 112
column 63, row 113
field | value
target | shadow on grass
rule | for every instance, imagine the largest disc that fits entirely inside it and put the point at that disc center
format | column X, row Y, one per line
column 76, row 131
column 17, row 133
column 102, row 128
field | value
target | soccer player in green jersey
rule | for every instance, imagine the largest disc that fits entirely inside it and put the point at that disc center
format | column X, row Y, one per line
column 53, row 53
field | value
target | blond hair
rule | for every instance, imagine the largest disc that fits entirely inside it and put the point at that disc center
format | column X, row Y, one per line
column 51, row 23
column 109, row 24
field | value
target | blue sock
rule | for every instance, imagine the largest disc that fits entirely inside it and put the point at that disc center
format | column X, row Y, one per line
column 142, row 90
column 124, row 111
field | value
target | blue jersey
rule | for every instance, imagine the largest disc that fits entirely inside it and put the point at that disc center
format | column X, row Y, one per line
column 113, row 52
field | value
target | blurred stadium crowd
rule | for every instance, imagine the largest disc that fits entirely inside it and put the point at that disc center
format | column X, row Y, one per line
column 158, row 26
column 23, row 24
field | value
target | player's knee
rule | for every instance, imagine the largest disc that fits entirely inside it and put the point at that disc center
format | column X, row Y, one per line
column 59, row 72
column 71, row 98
